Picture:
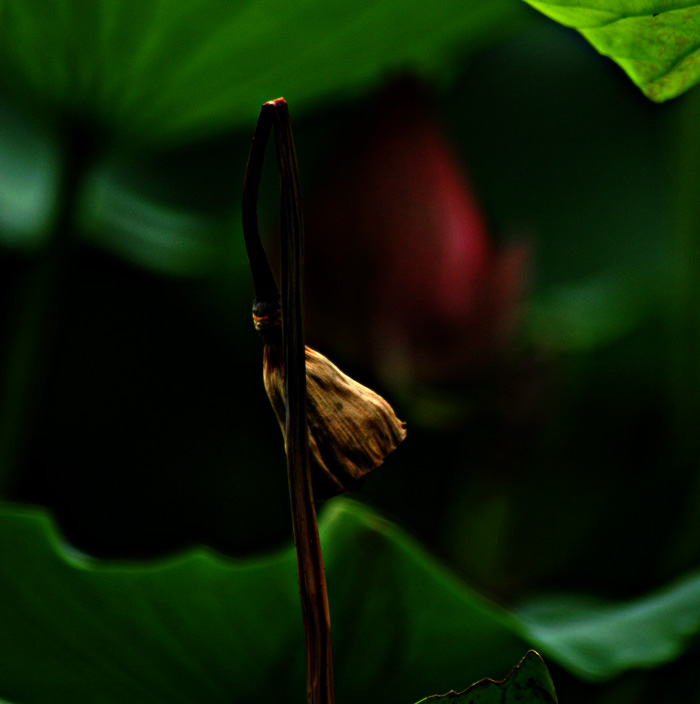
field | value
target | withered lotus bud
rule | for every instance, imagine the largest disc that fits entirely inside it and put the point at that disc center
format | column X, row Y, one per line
column 352, row 429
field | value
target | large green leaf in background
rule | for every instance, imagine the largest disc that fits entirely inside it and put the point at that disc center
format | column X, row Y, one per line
column 657, row 42
column 171, row 70
column 199, row 627
column 153, row 74
column 599, row 639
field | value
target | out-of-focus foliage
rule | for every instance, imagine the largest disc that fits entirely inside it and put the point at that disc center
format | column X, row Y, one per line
column 200, row 626
column 656, row 42
column 30, row 175
column 138, row 77
column 599, row 639
column 166, row 71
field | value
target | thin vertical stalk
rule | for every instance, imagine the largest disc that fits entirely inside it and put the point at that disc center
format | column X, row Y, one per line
column 312, row 580
column 311, row 574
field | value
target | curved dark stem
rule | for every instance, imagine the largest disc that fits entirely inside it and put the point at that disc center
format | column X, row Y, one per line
column 266, row 290
column 312, row 580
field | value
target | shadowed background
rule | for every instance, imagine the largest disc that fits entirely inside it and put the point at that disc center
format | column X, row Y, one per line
column 500, row 240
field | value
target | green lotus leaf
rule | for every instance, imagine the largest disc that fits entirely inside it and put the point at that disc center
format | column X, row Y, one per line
column 656, row 42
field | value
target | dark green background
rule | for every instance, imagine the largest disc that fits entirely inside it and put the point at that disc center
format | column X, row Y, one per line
column 131, row 394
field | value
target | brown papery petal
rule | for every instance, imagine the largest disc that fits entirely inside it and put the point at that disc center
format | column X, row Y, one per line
column 351, row 428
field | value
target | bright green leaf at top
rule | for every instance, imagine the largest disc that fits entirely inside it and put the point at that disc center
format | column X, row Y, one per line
column 656, row 42
column 167, row 70
column 527, row 683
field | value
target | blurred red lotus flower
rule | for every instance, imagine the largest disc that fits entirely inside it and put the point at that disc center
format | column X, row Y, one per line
column 401, row 272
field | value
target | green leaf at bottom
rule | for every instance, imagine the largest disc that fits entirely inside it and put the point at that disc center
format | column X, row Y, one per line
column 200, row 627
column 527, row 683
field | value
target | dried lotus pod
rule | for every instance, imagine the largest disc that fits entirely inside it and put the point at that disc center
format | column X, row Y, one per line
column 352, row 429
